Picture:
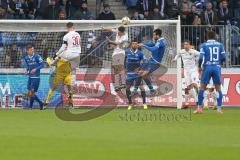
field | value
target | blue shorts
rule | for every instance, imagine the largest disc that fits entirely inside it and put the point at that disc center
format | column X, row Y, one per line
column 150, row 66
column 33, row 84
column 131, row 78
column 211, row 71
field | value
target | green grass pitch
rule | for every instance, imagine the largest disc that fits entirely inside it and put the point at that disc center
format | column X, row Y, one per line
column 40, row 135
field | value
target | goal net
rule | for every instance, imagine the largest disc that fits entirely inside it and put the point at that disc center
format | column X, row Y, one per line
column 92, row 83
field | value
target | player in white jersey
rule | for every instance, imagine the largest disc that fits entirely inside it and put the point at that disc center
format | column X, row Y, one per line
column 71, row 47
column 118, row 56
column 189, row 57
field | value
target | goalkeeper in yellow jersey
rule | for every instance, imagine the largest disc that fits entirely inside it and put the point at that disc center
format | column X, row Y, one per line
column 62, row 77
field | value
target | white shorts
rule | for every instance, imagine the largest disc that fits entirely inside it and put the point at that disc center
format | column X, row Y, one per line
column 190, row 76
column 73, row 58
column 68, row 56
column 211, row 84
column 118, row 58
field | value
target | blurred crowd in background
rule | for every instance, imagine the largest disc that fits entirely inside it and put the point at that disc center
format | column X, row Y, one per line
column 202, row 14
column 206, row 12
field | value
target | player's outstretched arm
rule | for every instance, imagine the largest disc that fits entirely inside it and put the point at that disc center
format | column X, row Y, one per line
column 63, row 47
column 121, row 42
column 155, row 47
column 55, row 58
column 178, row 55
column 107, row 29
column 150, row 44
column 111, row 41
column 151, row 49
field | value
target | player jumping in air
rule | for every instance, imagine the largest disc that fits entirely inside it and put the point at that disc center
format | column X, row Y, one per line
column 212, row 55
column 34, row 63
column 157, row 48
column 189, row 57
column 71, row 48
column 67, row 59
column 121, row 42
column 133, row 59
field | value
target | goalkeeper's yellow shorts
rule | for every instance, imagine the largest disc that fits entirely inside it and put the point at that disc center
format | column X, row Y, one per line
column 63, row 73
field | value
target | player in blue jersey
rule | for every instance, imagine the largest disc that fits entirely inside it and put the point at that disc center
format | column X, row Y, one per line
column 34, row 63
column 157, row 49
column 212, row 55
column 133, row 60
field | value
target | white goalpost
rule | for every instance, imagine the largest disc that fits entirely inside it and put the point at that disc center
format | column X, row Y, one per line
column 47, row 35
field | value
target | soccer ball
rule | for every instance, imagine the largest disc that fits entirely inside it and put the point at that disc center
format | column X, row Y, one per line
column 125, row 20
